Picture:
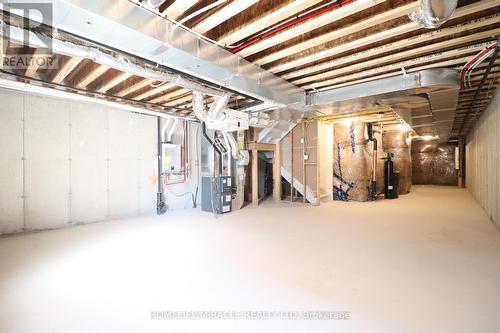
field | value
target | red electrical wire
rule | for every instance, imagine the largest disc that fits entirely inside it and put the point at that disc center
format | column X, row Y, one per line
column 472, row 61
column 298, row 20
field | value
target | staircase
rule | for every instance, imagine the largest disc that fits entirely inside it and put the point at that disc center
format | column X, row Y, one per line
column 298, row 186
column 282, row 122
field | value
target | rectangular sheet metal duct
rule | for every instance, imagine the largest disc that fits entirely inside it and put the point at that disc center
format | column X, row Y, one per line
column 128, row 28
column 426, row 100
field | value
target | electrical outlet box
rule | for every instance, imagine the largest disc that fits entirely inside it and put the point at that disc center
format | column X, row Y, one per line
column 171, row 158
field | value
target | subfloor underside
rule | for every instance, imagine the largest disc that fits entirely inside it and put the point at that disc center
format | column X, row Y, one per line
column 427, row 262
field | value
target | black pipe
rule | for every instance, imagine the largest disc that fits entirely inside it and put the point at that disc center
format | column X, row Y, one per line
column 160, row 203
column 373, row 182
column 216, row 149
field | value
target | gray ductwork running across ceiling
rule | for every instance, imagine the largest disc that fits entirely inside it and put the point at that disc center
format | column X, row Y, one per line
column 426, row 100
column 123, row 26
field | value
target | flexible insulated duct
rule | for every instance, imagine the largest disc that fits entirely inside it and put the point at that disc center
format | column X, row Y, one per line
column 433, row 13
column 213, row 114
column 235, row 150
column 217, row 106
column 28, row 38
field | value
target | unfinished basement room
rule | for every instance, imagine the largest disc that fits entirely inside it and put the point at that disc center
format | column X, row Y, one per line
column 233, row 166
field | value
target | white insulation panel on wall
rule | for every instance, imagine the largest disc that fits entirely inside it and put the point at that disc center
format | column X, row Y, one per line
column 89, row 165
column 482, row 160
column 11, row 163
column 47, row 163
column 84, row 162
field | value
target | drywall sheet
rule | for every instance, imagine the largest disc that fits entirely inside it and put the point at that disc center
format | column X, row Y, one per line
column 482, row 168
column 11, row 163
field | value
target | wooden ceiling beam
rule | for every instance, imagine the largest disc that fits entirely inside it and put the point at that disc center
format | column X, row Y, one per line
column 375, row 38
column 66, row 67
column 135, row 87
column 180, row 101
column 113, row 82
column 455, row 54
column 274, row 17
column 179, row 7
column 154, row 90
column 225, row 13
column 91, row 76
column 401, row 55
column 310, row 25
column 169, row 96
column 35, row 64
column 339, row 33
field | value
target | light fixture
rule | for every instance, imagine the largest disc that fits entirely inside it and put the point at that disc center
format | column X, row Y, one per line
column 404, row 127
column 429, row 137
column 347, row 121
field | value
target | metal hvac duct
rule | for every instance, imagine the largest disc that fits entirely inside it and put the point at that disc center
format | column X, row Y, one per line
column 426, row 100
column 155, row 3
column 433, row 13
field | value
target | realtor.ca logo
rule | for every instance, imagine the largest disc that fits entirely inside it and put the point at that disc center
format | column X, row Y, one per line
column 26, row 28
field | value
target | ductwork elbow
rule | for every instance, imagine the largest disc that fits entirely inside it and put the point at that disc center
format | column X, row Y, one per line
column 215, row 110
column 433, row 13
column 217, row 106
column 235, row 150
column 199, row 106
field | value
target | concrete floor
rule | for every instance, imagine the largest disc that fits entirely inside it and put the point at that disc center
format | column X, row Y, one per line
column 427, row 262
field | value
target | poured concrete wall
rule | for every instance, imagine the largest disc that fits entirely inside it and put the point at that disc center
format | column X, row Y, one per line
column 65, row 162
column 482, row 169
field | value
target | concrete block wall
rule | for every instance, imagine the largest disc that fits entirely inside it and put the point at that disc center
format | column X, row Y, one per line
column 482, row 169
column 67, row 162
